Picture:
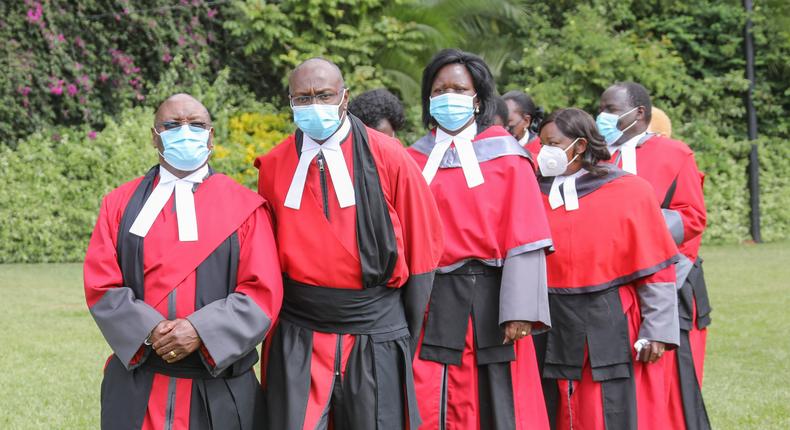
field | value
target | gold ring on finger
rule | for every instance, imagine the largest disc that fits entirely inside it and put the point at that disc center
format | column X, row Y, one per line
column 173, row 354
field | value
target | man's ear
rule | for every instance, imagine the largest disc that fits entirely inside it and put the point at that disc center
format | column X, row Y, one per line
column 154, row 142
column 211, row 138
column 640, row 113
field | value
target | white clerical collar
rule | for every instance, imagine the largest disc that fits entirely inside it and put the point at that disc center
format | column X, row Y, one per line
column 466, row 155
column 333, row 154
column 571, row 200
column 185, row 203
column 628, row 152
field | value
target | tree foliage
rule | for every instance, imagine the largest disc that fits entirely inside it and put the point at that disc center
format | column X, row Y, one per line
column 81, row 80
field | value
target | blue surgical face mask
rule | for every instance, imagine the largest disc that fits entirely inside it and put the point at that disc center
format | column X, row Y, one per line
column 452, row 111
column 186, row 147
column 607, row 125
column 319, row 121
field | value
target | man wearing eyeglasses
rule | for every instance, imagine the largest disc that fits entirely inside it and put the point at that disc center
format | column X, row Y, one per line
column 183, row 279
column 359, row 239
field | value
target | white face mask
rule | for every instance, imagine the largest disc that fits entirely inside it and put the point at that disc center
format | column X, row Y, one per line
column 552, row 160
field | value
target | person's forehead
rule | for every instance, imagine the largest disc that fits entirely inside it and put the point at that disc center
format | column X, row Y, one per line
column 514, row 110
column 550, row 131
column 182, row 108
column 453, row 73
column 615, row 95
column 318, row 74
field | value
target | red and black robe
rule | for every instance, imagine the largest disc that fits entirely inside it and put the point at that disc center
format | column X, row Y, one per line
column 357, row 281
column 492, row 271
column 611, row 281
column 670, row 168
column 227, row 284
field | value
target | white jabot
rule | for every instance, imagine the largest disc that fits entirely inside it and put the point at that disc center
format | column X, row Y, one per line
column 628, row 152
column 333, row 154
column 571, row 200
column 466, row 155
column 185, row 204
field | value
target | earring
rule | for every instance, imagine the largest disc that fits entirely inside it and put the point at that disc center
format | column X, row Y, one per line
column 477, row 109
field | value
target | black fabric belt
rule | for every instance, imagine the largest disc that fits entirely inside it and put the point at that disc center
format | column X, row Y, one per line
column 470, row 290
column 370, row 311
column 694, row 292
column 192, row 367
column 595, row 320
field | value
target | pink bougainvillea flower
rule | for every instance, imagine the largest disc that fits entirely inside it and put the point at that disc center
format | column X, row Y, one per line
column 72, row 90
column 34, row 15
column 92, row 135
column 166, row 57
column 211, row 13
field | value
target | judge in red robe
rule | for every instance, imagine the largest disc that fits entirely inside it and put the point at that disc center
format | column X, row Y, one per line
column 611, row 285
column 476, row 367
column 359, row 238
column 183, row 280
column 523, row 120
column 669, row 166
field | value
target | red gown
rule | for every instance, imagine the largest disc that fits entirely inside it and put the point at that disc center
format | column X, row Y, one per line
column 227, row 284
column 533, row 146
column 320, row 256
column 663, row 161
column 489, row 230
column 613, row 254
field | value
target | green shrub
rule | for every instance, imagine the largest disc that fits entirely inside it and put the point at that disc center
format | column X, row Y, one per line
column 54, row 181
column 774, row 189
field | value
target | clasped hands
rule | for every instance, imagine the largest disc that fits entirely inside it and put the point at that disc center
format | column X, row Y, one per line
column 174, row 340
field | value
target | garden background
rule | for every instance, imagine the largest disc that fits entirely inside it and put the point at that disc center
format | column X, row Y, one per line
column 80, row 82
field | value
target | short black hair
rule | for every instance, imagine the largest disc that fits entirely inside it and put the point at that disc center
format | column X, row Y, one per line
column 575, row 123
column 527, row 106
column 374, row 105
column 638, row 96
column 501, row 110
column 482, row 79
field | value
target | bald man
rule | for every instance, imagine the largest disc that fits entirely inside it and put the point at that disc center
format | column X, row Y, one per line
column 669, row 165
column 183, row 279
column 359, row 239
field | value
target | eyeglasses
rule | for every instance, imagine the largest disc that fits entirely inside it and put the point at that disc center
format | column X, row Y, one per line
column 196, row 126
column 321, row 99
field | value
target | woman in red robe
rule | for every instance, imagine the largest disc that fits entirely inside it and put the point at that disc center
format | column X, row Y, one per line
column 611, row 285
column 476, row 365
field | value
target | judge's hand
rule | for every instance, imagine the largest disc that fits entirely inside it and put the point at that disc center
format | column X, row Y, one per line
column 179, row 342
column 160, row 330
column 651, row 352
column 515, row 330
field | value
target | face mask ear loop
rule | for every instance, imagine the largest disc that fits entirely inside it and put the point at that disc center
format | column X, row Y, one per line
column 571, row 146
column 632, row 124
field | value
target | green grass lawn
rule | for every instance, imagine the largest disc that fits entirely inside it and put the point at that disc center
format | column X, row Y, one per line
column 51, row 353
